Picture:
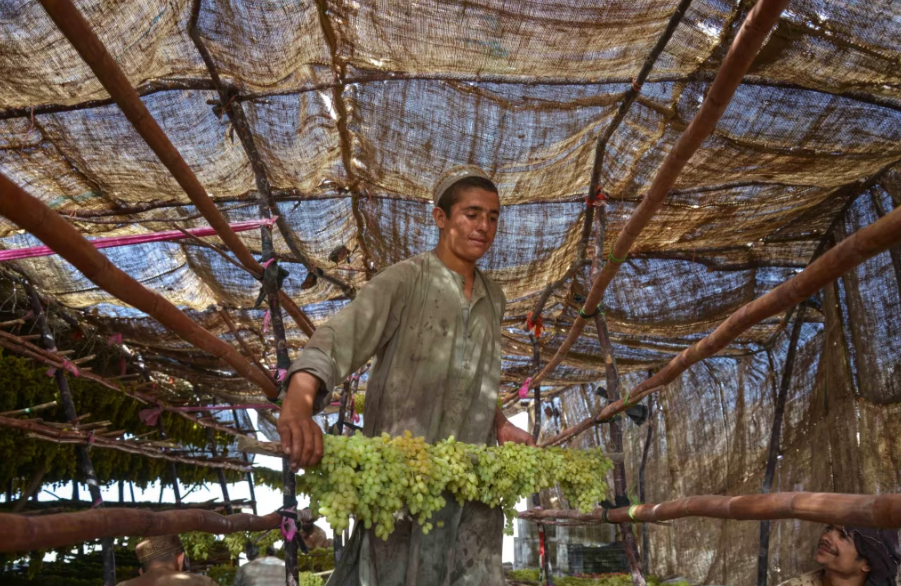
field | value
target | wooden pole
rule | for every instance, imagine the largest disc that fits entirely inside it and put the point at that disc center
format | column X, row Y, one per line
column 26, row 533
column 75, row 28
column 173, row 473
column 860, row 510
column 235, row 112
column 289, row 501
column 775, row 436
column 223, row 483
column 844, row 256
column 31, row 214
column 84, row 458
column 741, row 54
column 230, row 324
column 600, row 149
column 642, row 494
column 616, row 445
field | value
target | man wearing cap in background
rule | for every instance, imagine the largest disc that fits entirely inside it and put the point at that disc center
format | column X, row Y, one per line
column 854, row 556
column 313, row 535
column 433, row 322
column 162, row 561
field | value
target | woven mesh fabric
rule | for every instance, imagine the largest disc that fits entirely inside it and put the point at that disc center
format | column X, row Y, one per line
column 355, row 107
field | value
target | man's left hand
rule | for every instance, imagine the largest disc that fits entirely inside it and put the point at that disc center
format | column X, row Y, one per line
column 510, row 433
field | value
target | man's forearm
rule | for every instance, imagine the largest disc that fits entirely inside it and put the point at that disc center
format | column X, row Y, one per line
column 304, row 386
column 500, row 419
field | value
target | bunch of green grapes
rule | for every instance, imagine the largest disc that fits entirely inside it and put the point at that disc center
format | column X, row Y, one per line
column 377, row 479
column 308, row 579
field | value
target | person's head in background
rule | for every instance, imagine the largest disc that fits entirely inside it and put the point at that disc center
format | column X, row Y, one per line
column 270, row 551
column 859, row 556
column 467, row 208
column 307, row 521
column 161, row 552
column 251, row 550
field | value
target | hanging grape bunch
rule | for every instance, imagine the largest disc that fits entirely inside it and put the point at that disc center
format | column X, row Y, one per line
column 372, row 478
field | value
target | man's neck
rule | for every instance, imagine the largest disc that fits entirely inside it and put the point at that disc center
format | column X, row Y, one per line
column 455, row 263
column 831, row 578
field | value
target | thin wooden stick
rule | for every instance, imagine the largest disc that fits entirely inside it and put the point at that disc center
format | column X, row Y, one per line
column 26, row 533
column 741, row 54
column 48, row 433
column 857, row 510
column 14, row 344
column 247, row 351
column 33, row 215
column 843, row 257
column 28, row 410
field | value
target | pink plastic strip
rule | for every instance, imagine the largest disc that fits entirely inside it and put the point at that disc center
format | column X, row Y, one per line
column 114, row 241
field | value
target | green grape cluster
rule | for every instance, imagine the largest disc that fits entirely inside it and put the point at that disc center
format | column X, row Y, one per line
column 308, row 579
column 375, row 479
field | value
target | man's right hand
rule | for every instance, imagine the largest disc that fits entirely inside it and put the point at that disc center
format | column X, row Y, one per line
column 301, row 436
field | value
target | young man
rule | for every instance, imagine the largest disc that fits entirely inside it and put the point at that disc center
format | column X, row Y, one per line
column 162, row 561
column 433, row 324
column 854, row 556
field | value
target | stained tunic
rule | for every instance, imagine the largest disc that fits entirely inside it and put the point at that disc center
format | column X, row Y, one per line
column 814, row 578
column 436, row 373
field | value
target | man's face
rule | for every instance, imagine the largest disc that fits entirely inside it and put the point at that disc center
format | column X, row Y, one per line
column 472, row 225
column 837, row 553
column 307, row 526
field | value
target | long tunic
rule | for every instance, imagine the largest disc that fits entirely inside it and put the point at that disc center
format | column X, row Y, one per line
column 436, row 373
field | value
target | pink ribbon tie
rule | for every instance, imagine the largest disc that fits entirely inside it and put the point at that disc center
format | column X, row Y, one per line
column 267, row 317
column 291, row 525
column 524, row 389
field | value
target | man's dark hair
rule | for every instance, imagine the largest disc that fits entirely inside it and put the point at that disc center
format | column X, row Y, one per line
column 270, row 550
column 452, row 195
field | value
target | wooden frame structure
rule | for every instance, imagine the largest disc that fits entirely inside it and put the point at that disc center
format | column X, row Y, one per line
column 35, row 217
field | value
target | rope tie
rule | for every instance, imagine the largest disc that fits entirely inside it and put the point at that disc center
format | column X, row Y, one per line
column 597, row 310
column 636, row 87
column 618, row 261
column 632, row 511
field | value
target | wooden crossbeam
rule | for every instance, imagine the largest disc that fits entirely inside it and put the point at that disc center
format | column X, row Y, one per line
column 856, row 510
column 26, row 533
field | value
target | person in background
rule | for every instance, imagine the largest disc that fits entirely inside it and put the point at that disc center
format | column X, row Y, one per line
column 260, row 571
column 162, row 561
column 313, row 535
column 854, row 556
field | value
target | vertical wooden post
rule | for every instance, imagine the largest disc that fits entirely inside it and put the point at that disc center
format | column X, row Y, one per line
column 249, row 476
column 645, row 538
column 536, row 366
column 775, row 435
column 172, row 472
column 613, row 393
column 289, row 500
column 121, row 491
column 84, row 457
column 220, row 472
